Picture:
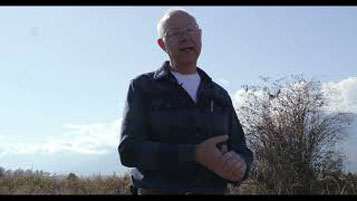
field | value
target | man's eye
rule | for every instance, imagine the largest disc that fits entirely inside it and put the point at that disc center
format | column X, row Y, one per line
column 169, row 33
column 174, row 33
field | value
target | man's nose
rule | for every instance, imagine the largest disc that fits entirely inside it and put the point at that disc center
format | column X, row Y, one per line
column 184, row 35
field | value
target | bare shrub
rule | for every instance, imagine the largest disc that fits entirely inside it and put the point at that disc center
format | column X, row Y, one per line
column 293, row 138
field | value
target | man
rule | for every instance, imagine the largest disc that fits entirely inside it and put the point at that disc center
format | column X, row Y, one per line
column 180, row 131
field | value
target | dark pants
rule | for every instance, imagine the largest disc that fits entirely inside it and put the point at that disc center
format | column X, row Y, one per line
column 143, row 191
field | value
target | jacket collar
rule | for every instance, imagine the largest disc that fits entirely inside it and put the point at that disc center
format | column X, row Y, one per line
column 164, row 73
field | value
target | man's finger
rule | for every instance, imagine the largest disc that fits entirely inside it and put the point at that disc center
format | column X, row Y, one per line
column 218, row 139
column 237, row 169
column 227, row 158
column 229, row 165
column 241, row 168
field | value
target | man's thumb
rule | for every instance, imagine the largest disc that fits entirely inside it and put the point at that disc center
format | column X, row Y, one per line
column 218, row 139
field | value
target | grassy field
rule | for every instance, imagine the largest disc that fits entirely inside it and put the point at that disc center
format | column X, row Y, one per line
column 38, row 182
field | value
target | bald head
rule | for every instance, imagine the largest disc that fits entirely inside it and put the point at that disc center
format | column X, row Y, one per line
column 180, row 38
column 166, row 20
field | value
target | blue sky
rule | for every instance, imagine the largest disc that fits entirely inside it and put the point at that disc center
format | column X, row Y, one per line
column 65, row 71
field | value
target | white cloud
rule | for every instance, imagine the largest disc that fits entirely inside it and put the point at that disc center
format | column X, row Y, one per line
column 243, row 98
column 239, row 97
column 343, row 94
column 80, row 139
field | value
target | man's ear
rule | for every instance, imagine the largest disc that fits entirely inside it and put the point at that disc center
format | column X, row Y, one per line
column 161, row 43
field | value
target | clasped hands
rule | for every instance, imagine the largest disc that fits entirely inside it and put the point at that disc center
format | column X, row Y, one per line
column 227, row 164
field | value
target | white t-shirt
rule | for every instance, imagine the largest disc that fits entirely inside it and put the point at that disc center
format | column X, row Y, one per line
column 189, row 82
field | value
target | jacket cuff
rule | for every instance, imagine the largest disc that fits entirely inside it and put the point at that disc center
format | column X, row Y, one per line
column 187, row 153
column 247, row 170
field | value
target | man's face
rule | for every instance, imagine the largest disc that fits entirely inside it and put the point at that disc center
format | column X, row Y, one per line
column 182, row 39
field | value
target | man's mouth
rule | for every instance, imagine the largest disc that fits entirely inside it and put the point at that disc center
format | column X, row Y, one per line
column 186, row 49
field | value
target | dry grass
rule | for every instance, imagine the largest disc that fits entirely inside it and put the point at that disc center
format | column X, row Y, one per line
column 40, row 183
column 342, row 184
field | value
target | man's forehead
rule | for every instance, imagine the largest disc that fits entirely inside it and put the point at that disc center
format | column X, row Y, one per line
column 179, row 20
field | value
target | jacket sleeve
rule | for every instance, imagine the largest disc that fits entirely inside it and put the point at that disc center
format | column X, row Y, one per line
column 237, row 141
column 136, row 149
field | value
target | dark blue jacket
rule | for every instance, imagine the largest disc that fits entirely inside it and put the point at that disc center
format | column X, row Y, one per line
column 162, row 126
